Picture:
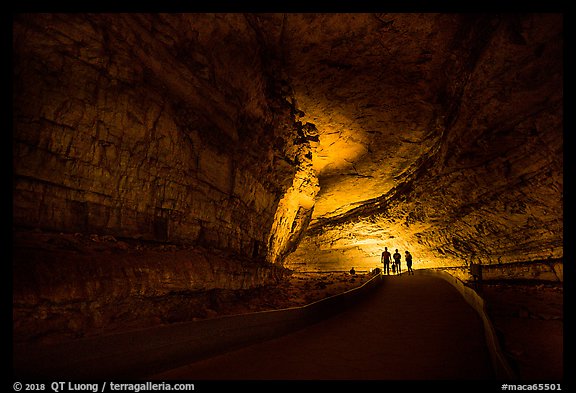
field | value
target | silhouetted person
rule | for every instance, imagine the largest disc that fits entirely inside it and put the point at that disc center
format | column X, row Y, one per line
column 352, row 271
column 397, row 256
column 409, row 262
column 393, row 268
column 386, row 260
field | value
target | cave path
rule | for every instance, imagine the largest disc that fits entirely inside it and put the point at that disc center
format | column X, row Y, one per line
column 410, row 327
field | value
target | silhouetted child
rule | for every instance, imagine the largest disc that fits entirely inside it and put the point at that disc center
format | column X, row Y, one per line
column 397, row 256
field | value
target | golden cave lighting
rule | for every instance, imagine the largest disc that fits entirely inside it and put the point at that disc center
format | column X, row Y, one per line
column 297, row 202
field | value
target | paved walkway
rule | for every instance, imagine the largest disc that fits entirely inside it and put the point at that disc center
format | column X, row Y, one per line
column 411, row 327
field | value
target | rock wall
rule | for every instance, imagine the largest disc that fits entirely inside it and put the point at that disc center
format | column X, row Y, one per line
column 67, row 286
column 551, row 270
column 157, row 127
column 171, row 129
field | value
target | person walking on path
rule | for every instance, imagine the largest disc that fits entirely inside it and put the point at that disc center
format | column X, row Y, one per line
column 385, row 259
column 409, row 262
column 397, row 256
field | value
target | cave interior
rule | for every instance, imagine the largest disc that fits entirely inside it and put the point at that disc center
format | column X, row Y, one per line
column 168, row 156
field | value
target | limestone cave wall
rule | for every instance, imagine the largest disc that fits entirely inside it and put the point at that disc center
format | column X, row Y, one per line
column 173, row 137
column 172, row 128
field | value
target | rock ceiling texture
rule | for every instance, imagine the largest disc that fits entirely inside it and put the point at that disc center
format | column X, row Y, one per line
column 310, row 141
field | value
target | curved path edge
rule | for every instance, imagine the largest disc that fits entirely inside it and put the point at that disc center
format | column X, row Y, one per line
column 142, row 352
column 499, row 361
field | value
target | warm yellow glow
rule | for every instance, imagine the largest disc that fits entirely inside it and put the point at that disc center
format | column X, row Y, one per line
column 339, row 151
column 301, row 195
column 367, row 241
column 341, row 140
column 335, row 153
column 306, row 200
column 360, row 244
column 349, row 178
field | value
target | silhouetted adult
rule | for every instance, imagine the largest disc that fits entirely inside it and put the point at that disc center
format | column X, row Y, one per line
column 386, row 260
column 409, row 262
column 352, row 271
column 397, row 256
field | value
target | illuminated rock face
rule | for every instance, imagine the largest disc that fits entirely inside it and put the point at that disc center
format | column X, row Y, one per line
column 164, row 128
column 331, row 135
column 450, row 130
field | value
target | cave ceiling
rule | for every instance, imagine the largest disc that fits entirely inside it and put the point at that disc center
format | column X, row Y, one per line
column 368, row 84
column 438, row 133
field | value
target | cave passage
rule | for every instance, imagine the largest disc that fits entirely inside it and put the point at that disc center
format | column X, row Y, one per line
column 411, row 328
column 167, row 167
